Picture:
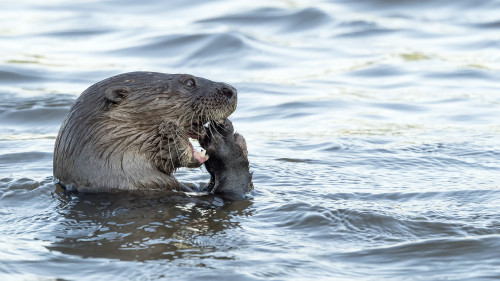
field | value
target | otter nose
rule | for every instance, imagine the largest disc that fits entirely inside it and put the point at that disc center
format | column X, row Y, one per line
column 228, row 91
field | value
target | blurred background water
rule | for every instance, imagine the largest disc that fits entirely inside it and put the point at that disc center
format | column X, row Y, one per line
column 373, row 132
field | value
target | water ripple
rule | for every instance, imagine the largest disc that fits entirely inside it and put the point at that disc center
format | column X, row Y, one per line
column 280, row 20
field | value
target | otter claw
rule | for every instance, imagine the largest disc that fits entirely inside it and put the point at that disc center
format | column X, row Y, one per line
column 203, row 154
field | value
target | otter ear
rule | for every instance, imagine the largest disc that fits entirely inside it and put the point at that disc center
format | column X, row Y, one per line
column 116, row 94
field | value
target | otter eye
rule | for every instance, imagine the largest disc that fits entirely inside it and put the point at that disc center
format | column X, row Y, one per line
column 190, row 82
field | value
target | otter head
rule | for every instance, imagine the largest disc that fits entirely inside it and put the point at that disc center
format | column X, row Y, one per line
column 175, row 107
column 136, row 124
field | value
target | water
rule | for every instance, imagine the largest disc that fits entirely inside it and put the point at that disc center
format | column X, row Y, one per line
column 372, row 129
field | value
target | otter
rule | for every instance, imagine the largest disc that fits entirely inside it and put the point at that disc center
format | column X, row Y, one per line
column 131, row 132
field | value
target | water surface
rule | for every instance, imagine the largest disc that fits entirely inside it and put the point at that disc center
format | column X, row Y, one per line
column 372, row 129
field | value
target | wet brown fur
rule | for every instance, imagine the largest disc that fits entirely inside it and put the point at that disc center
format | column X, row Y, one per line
column 131, row 131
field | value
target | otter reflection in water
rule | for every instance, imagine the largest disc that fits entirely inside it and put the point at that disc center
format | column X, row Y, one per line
column 146, row 225
column 132, row 131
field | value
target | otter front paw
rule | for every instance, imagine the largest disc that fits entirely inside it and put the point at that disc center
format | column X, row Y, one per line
column 228, row 164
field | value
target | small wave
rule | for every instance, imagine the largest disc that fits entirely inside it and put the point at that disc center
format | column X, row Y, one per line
column 80, row 33
column 193, row 49
column 378, row 71
column 462, row 74
column 280, row 20
column 9, row 74
column 33, row 113
column 429, row 251
column 15, row 101
column 365, row 32
column 494, row 24
column 15, row 190
column 24, row 157
column 38, row 116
